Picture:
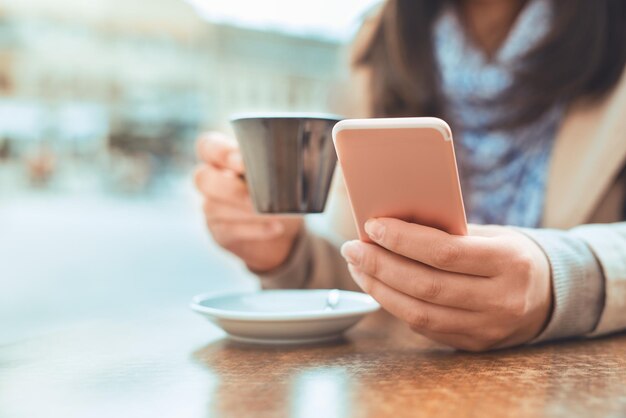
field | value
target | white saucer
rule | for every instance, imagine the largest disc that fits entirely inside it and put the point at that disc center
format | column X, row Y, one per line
column 285, row 316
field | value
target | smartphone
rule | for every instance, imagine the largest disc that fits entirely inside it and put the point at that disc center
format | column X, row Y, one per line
column 401, row 168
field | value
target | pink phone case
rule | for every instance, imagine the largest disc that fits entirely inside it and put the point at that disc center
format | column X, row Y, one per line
column 401, row 168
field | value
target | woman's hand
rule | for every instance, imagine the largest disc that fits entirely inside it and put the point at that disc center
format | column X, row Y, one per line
column 489, row 289
column 262, row 242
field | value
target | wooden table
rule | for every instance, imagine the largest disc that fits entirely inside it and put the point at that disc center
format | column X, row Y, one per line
column 172, row 364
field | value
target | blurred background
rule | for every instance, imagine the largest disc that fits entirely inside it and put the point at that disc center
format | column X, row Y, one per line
column 100, row 105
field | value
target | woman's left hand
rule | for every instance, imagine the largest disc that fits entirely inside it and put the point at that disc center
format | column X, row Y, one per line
column 489, row 289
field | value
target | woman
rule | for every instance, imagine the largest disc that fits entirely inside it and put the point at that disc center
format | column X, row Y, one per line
column 536, row 95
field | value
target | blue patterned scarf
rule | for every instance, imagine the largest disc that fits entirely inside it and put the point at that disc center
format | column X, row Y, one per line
column 503, row 173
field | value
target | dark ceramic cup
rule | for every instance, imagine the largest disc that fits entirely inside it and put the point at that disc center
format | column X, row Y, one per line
column 289, row 158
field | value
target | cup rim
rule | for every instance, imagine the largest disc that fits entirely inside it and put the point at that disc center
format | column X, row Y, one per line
column 285, row 115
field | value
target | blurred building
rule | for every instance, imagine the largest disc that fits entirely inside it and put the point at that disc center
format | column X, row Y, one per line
column 143, row 76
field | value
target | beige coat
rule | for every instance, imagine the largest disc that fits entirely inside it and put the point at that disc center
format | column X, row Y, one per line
column 586, row 186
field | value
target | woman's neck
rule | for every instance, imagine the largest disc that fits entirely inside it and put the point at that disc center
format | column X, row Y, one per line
column 488, row 22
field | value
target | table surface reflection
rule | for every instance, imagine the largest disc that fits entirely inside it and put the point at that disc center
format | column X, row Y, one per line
column 172, row 364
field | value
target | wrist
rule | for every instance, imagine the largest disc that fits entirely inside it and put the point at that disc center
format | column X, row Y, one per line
column 543, row 279
column 275, row 254
column 576, row 282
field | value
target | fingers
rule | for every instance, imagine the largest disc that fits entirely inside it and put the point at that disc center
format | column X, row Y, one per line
column 488, row 230
column 224, row 211
column 475, row 255
column 259, row 230
column 466, row 330
column 488, row 336
column 460, row 341
column 222, row 185
column 420, row 315
column 419, row 280
column 229, row 213
column 220, row 151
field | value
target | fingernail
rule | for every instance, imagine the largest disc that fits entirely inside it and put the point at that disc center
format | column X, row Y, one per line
column 352, row 252
column 374, row 229
column 356, row 275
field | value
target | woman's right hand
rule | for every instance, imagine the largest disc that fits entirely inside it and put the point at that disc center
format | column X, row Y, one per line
column 263, row 242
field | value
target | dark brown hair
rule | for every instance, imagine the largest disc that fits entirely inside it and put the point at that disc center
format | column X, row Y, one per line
column 582, row 56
